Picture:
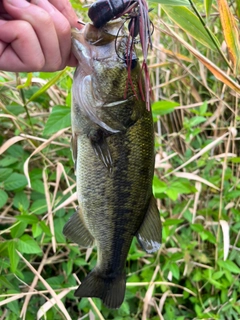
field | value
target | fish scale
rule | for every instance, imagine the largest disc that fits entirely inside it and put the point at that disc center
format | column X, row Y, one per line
column 113, row 149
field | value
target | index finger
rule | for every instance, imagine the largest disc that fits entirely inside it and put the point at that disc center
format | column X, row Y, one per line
column 66, row 9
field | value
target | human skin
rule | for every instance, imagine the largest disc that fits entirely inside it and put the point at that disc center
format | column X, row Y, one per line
column 36, row 35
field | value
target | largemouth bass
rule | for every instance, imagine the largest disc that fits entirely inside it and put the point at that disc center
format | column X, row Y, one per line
column 113, row 149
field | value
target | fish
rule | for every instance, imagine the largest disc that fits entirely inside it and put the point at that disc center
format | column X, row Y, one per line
column 113, row 151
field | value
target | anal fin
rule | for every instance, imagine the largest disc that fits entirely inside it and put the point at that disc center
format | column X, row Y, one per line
column 149, row 234
column 76, row 230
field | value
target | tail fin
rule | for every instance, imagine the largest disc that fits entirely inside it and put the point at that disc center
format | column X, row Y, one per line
column 110, row 289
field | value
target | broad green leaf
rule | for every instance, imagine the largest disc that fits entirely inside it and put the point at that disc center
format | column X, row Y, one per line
column 209, row 236
column 218, row 275
column 3, row 246
column 173, row 222
column 29, row 219
column 15, row 310
column 80, row 262
column 135, row 255
column 39, row 206
column 45, row 228
column 175, row 270
column 20, row 200
column 190, row 23
column 68, row 267
column 36, row 230
column 59, row 118
column 15, row 181
column 26, row 244
column 172, row 2
column 15, row 109
column 18, row 229
column 204, row 234
column 5, row 173
column 55, row 282
column 16, row 150
column 231, row 195
column 229, row 265
column 37, row 185
column 231, row 34
column 203, row 108
column 196, row 121
column 124, row 310
column 182, row 187
column 234, row 159
column 13, row 256
column 3, row 198
column 172, row 194
column 7, row 161
column 158, row 186
column 160, row 108
column 59, row 223
column 6, row 283
column 197, row 227
column 216, row 283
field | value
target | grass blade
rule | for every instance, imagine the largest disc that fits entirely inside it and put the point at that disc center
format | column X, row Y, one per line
column 47, row 286
column 216, row 71
column 207, row 4
column 231, row 34
column 190, row 23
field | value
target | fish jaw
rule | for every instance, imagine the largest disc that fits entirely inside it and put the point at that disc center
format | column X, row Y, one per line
column 97, row 44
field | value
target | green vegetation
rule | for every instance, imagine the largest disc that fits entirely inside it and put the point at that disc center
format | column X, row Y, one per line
column 196, row 273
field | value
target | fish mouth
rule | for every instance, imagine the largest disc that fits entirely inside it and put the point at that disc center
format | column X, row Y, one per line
column 99, row 36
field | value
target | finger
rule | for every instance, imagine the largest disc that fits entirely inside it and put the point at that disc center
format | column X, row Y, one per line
column 3, row 13
column 19, row 53
column 66, row 9
column 2, row 8
column 44, row 27
column 62, row 27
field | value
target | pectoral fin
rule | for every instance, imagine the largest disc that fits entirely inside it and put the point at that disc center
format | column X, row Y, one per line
column 76, row 231
column 103, row 153
column 149, row 234
column 100, row 146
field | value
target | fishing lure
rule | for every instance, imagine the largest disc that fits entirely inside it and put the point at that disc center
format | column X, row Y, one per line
column 102, row 11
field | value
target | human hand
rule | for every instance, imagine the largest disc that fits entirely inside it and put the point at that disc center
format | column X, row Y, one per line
column 36, row 36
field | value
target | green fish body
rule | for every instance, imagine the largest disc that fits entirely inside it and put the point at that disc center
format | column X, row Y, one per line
column 113, row 149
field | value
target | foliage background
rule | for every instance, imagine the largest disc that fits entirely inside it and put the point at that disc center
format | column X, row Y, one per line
column 195, row 275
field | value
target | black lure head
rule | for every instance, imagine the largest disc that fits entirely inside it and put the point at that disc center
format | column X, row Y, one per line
column 102, row 11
